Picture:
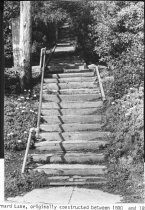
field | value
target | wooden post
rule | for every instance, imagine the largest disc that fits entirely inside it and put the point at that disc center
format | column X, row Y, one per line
column 16, row 40
column 93, row 66
column 25, row 42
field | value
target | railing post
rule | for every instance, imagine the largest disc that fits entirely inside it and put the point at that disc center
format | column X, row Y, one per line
column 100, row 83
column 93, row 66
column 32, row 131
column 41, row 93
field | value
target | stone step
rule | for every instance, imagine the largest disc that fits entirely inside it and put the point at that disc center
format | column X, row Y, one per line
column 70, row 85
column 68, row 158
column 75, row 136
column 72, row 170
column 69, row 79
column 71, row 127
column 80, row 111
column 72, row 119
column 69, row 98
column 70, row 75
column 71, row 146
column 72, row 91
column 71, row 105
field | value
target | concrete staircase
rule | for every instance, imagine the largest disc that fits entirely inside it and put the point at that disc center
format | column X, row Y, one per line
column 72, row 134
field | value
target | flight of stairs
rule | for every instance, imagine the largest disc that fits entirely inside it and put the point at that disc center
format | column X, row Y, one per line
column 72, row 134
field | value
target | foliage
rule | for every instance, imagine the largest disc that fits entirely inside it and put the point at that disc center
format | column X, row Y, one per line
column 11, row 10
column 117, row 31
column 46, row 16
column 20, row 116
column 125, row 153
column 81, row 18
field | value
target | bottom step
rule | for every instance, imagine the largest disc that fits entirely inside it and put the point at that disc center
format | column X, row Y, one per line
column 78, row 183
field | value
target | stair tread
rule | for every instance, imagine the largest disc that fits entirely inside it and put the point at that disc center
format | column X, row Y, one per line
column 78, row 111
column 70, row 105
column 71, row 127
column 72, row 119
column 72, row 166
column 72, row 91
column 70, row 98
column 64, row 75
column 82, row 135
column 70, row 80
column 76, row 85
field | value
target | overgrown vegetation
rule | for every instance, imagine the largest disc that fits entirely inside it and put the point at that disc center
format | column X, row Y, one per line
column 125, row 153
column 117, row 32
column 15, row 182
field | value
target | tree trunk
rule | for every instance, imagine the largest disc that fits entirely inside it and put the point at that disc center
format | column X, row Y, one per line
column 25, row 44
column 1, row 81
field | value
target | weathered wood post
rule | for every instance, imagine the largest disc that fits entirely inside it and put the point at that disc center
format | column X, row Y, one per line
column 16, row 40
column 25, row 44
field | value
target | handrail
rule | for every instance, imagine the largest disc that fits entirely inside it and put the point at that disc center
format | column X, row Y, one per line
column 41, row 88
column 93, row 66
column 31, row 131
column 35, row 131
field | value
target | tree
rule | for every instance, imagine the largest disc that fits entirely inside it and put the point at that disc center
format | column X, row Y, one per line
column 25, row 44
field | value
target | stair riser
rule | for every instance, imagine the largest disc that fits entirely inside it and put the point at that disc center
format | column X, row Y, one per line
column 65, row 69
column 79, row 183
column 72, row 91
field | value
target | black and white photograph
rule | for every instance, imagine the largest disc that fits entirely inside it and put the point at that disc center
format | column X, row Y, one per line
column 73, row 98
